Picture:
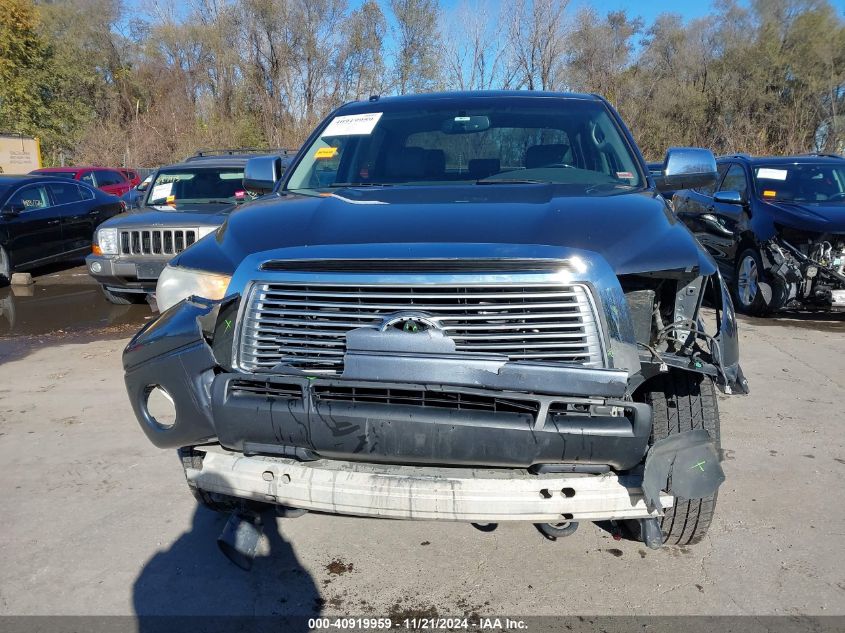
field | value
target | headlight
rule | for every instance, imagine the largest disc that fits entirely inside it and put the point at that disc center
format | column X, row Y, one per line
column 107, row 241
column 205, row 230
column 175, row 284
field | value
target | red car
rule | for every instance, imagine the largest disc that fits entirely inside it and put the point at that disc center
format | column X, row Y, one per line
column 132, row 176
column 109, row 180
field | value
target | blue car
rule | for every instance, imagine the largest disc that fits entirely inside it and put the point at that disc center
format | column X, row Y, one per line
column 776, row 227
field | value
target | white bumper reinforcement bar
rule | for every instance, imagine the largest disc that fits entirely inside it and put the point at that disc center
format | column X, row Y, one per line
column 405, row 492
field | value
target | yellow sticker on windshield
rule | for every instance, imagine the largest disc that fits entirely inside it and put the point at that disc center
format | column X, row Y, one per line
column 326, row 152
column 171, row 200
column 768, row 193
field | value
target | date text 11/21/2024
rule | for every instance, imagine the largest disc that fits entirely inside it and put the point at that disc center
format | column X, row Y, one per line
column 419, row 623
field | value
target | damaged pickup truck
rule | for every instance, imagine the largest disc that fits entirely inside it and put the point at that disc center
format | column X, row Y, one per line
column 776, row 227
column 467, row 306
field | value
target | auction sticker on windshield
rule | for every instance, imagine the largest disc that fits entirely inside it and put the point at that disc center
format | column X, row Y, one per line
column 352, row 124
column 771, row 174
column 162, row 191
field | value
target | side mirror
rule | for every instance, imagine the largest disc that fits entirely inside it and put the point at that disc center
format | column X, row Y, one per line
column 13, row 209
column 728, row 197
column 686, row 168
column 143, row 186
column 262, row 173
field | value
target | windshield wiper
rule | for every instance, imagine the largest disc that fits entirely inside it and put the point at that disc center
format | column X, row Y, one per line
column 511, row 181
column 360, row 184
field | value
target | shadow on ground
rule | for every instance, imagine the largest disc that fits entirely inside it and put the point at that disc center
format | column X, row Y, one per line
column 193, row 578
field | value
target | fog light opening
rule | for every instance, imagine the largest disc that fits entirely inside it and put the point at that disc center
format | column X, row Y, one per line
column 96, row 267
column 160, row 408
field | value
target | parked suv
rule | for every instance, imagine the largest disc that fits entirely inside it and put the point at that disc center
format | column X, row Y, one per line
column 776, row 227
column 181, row 204
column 111, row 181
column 461, row 306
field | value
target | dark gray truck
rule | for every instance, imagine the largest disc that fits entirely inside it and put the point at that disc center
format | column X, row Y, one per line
column 464, row 306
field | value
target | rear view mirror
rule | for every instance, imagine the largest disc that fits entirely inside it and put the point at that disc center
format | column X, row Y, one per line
column 465, row 124
column 728, row 197
column 13, row 209
column 262, row 173
column 686, row 168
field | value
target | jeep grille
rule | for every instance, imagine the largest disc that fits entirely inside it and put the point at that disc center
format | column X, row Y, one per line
column 156, row 242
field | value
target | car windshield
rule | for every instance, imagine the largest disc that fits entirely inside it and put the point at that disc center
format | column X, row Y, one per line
column 574, row 143
column 808, row 182
column 175, row 187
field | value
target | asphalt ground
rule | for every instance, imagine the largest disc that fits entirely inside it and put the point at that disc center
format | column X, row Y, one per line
column 97, row 521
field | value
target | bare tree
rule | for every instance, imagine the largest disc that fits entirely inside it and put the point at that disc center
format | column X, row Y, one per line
column 474, row 48
column 418, row 45
column 536, row 36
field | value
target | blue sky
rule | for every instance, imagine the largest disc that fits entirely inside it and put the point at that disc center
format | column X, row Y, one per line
column 646, row 9
column 649, row 9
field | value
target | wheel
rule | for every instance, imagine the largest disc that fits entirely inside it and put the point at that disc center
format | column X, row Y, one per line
column 682, row 401
column 123, row 298
column 5, row 267
column 555, row 531
column 748, row 278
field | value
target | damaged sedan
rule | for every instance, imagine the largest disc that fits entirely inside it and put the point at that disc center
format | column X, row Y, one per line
column 776, row 226
column 464, row 306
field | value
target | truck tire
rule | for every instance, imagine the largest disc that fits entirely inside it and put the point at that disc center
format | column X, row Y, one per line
column 123, row 299
column 683, row 401
column 748, row 275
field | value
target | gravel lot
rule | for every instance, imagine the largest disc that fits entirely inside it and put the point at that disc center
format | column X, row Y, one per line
column 98, row 521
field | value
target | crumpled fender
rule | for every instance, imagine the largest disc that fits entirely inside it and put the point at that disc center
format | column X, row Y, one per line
column 726, row 355
column 685, row 465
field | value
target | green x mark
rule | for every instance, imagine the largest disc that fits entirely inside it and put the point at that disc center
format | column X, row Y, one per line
column 228, row 323
column 699, row 465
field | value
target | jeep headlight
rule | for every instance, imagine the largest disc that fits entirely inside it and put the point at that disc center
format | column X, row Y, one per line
column 176, row 283
column 107, row 241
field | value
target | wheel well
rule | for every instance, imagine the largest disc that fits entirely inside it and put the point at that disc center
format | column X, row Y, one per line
column 746, row 240
column 648, row 384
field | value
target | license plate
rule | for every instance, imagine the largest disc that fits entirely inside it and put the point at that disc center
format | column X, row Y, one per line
column 839, row 298
column 149, row 270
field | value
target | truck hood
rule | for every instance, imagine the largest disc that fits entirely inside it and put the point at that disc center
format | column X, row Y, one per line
column 633, row 232
column 194, row 215
column 816, row 217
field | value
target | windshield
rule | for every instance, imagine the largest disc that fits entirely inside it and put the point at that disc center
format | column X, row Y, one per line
column 478, row 141
column 175, row 187
column 809, row 182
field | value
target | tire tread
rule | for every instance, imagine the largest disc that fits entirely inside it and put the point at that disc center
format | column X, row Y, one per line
column 680, row 402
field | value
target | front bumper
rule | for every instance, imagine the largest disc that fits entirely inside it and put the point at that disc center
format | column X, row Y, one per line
column 403, row 492
column 121, row 274
column 328, row 443
column 408, row 408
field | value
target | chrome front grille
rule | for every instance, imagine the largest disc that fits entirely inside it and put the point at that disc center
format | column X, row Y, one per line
column 305, row 325
column 156, row 242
